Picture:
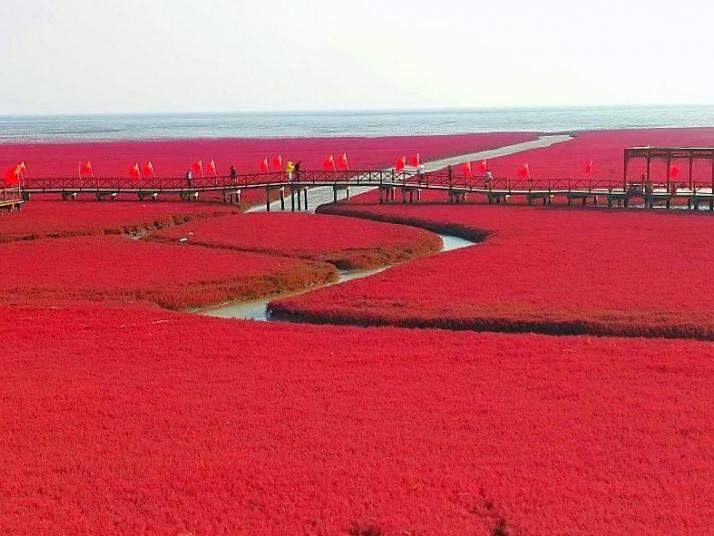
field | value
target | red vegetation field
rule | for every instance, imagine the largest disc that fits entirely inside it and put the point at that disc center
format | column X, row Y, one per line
column 45, row 218
column 173, row 158
column 550, row 270
column 117, row 417
column 348, row 243
column 120, row 269
column 130, row 422
column 605, row 149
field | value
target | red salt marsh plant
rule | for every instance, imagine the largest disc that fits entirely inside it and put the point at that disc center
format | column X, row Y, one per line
column 140, row 422
column 173, row 158
column 547, row 270
column 596, row 158
column 45, row 218
column 605, row 150
column 118, row 269
column 348, row 243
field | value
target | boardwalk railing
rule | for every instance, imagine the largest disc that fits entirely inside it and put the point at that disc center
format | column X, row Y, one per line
column 11, row 198
column 457, row 185
column 438, row 180
column 435, row 180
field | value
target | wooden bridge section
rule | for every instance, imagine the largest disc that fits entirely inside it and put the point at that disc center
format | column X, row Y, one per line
column 11, row 199
column 410, row 184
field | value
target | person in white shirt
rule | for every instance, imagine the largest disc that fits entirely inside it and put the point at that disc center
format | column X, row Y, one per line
column 420, row 171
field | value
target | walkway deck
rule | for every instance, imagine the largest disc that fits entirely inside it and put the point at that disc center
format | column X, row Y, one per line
column 326, row 194
column 309, row 189
column 10, row 199
column 456, row 188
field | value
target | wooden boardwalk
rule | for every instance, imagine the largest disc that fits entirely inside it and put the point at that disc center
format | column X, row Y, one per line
column 393, row 186
column 407, row 186
column 11, row 199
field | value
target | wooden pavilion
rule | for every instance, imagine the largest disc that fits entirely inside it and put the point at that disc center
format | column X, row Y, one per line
column 670, row 155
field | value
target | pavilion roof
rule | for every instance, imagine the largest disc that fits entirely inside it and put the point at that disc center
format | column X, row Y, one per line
column 669, row 152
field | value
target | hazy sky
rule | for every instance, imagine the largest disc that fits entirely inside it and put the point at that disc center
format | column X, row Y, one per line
column 61, row 56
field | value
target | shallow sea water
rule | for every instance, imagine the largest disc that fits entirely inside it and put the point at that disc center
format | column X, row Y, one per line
column 67, row 128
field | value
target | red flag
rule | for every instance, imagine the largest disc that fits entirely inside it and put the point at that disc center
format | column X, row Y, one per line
column 198, row 167
column 86, row 169
column 468, row 170
column 12, row 176
column 264, row 165
column 589, row 168
column 483, row 166
column 23, row 169
column 524, row 172
column 212, row 167
column 673, row 171
column 278, row 163
column 343, row 162
column 329, row 164
column 401, row 163
column 415, row 160
column 134, row 172
column 148, row 169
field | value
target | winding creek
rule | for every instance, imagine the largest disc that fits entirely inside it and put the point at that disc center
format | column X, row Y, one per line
column 258, row 309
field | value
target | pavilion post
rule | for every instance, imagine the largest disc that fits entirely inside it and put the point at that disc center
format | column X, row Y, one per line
column 691, row 171
column 669, row 170
column 624, row 177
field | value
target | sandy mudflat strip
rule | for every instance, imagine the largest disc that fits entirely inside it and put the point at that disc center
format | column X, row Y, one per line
column 323, row 195
column 542, row 141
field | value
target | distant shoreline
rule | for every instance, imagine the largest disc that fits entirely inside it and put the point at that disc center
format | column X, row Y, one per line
column 574, row 133
column 366, row 111
column 273, row 126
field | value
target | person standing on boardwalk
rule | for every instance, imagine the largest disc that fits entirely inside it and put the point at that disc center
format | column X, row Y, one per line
column 189, row 178
column 290, row 169
column 488, row 179
column 646, row 185
column 297, row 170
column 234, row 175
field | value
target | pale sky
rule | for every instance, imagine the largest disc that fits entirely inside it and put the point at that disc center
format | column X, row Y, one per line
column 87, row 56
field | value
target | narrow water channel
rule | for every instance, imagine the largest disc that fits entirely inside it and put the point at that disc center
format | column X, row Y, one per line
column 258, row 309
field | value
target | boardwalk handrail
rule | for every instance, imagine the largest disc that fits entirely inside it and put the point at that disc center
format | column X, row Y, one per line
column 10, row 194
column 11, row 198
column 437, row 180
